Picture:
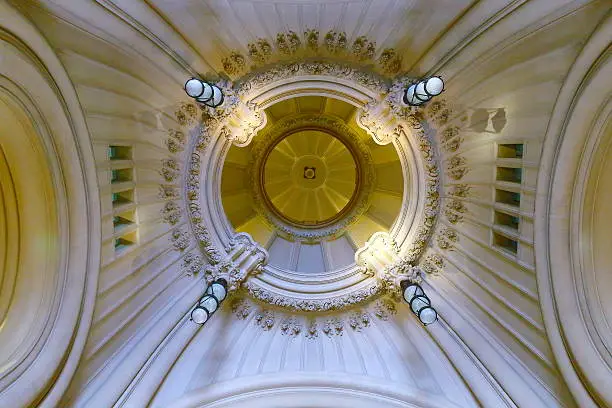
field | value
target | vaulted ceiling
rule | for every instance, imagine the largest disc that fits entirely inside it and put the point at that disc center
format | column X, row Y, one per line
column 128, row 60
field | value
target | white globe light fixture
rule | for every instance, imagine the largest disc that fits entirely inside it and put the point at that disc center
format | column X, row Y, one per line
column 203, row 92
column 215, row 293
column 422, row 91
column 419, row 302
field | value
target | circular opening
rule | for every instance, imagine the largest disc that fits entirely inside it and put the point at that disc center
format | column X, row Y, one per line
column 310, row 178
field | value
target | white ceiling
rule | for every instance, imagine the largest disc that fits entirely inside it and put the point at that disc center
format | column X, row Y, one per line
column 203, row 32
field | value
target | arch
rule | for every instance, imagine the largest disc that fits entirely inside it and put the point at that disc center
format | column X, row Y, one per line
column 55, row 217
column 309, row 390
column 577, row 141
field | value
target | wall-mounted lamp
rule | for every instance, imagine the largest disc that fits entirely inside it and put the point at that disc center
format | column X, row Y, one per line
column 209, row 303
column 204, row 92
column 420, row 92
column 419, row 302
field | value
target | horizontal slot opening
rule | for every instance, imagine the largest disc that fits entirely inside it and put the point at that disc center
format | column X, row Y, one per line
column 508, row 197
column 123, row 197
column 510, row 174
column 119, row 152
column 510, row 151
column 121, row 175
column 125, row 241
column 123, row 220
column 505, row 243
column 506, row 220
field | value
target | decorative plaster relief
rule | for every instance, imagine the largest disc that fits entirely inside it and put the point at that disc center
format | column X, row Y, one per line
column 454, row 210
column 171, row 213
column 170, row 170
column 212, row 125
column 265, row 319
column 313, row 305
column 291, row 327
column 456, row 167
column 290, row 45
column 335, row 42
column 380, row 258
column 363, row 49
column 310, row 326
column 192, row 264
column 433, row 264
column 186, row 114
column 460, row 190
column 390, row 61
column 447, row 238
column 167, row 191
column 180, row 240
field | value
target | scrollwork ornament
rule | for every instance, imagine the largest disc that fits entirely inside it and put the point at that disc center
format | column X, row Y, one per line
column 433, row 264
column 171, row 213
column 447, row 238
column 167, row 191
column 335, row 42
column 309, row 305
column 288, row 42
column 192, row 264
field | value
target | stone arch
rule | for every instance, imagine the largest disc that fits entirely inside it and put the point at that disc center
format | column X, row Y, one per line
column 571, row 280
column 51, row 231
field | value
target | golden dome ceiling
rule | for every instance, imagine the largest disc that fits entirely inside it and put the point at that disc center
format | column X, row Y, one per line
column 310, row 178
column 312, row 187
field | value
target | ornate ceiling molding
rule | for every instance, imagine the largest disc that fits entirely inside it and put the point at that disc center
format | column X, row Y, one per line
column 348, row 136
column 382, row 116
column 291, row 46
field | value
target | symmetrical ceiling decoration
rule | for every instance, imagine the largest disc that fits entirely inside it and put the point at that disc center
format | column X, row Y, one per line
column 299, row 275
column 351, row 145
column 489, row 197
column 388, row 35
column 309, row 178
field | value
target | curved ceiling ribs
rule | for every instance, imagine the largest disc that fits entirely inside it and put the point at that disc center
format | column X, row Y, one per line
column 128, row 60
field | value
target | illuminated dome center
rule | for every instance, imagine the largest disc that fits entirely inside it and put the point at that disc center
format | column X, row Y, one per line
column 310, row 178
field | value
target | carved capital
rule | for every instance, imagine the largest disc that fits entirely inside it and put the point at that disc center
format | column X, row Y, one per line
column 244, row 258
column 243, row 124
column 377, row 119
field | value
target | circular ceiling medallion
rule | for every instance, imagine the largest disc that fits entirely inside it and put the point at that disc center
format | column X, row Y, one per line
column 310, row 178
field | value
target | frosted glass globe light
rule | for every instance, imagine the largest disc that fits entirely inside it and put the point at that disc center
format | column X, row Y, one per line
column 411, row 291
column 434, row 86
column 199, row 315
column 428, row 315
column 410, row 98
column 418, row 303
column 194, row 87
column 420, row 93
column 210, row 303
column 216, row 98
column 217, row 290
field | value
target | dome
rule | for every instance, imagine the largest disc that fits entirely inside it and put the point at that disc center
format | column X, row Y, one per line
column 310, row 178
column 311, row 188
column 351, row 203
